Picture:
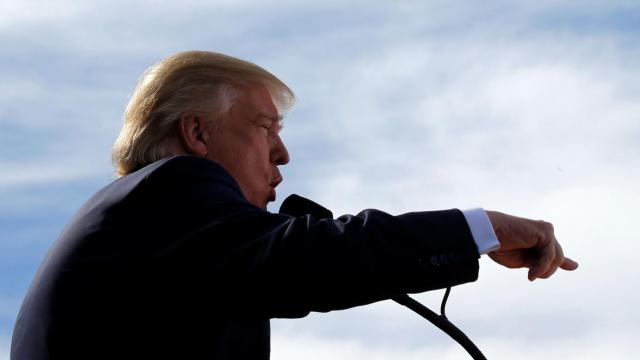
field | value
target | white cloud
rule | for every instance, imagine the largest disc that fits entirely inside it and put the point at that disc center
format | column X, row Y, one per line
column 297, row 347
column 4, row 349
column 17, row 174
column 602, row 346
column 16, row 14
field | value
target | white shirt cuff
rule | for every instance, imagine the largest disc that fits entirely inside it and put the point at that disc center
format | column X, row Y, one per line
column 481, row 230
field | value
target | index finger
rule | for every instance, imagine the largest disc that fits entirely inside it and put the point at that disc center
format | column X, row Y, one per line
column 568, row 264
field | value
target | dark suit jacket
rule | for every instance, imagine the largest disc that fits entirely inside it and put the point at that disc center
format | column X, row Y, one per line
column 173, row 262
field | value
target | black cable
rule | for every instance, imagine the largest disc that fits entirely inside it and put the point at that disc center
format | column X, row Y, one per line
column 442, row 323
column 444, row 302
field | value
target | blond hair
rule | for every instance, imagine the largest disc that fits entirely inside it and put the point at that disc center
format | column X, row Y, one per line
column 192, row 81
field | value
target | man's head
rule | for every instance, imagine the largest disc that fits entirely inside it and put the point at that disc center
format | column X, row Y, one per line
column 211, row 105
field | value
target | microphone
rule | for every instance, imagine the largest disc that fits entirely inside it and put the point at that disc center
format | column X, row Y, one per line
column 296, row 205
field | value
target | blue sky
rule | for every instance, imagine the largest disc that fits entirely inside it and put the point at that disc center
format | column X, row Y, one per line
column 531, row 108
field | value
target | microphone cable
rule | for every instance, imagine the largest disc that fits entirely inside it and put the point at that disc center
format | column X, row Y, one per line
column 442, row 322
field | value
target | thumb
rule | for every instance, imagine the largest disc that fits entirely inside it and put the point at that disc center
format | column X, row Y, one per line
column 544, row 261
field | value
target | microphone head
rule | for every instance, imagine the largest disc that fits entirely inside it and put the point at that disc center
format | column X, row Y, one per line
column 296, row 205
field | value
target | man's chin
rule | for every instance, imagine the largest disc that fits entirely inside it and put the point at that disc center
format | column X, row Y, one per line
column 266, row 202
column 262, row 200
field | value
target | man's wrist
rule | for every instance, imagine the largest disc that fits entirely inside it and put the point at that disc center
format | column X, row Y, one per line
column 481, row 230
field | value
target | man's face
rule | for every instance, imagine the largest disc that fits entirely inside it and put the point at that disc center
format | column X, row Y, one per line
column 248, row 145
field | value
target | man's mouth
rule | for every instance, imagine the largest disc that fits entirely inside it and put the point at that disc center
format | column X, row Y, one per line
column 274, row 183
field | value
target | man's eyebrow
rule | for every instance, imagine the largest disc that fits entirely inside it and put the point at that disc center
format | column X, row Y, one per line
column 279, row 118
column 270, row 116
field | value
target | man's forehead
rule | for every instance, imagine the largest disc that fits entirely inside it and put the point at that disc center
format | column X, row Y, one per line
column 261, row 102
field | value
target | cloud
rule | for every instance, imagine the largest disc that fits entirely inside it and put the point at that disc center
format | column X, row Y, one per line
column 21, row 175
column 29, row 13
column 618, row 346
column 413, row 63
column 296, row 347
column 4, row 349
column 494, row 122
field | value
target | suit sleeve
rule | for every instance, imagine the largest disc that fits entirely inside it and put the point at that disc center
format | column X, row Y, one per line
column 247, row 261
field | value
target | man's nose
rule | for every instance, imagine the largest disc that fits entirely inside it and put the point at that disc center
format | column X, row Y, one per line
column 279, row 152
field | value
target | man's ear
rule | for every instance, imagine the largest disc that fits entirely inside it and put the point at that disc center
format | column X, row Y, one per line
column 193, row 132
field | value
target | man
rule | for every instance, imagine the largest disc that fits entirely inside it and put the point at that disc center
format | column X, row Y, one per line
column 178, row 258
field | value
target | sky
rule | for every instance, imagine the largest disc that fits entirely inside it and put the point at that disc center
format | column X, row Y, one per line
column 530, row 108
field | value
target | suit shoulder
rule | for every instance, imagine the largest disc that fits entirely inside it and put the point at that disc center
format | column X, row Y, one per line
column 183, row 163
column 188, row 168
